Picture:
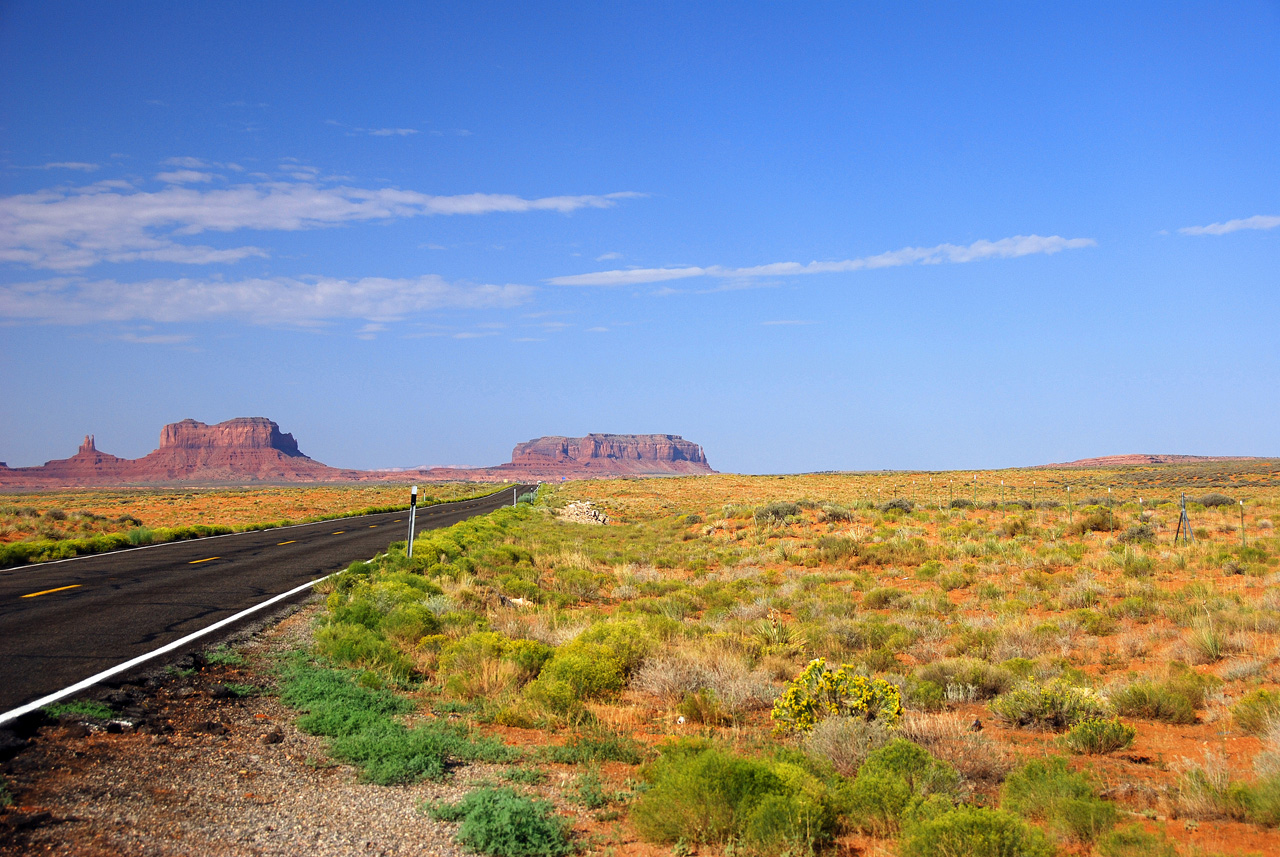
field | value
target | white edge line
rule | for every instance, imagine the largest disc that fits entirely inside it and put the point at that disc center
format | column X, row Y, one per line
column 242, row 533
column 89, row 682
column 141, row 659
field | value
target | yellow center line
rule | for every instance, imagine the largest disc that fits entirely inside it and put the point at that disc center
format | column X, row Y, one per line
column 206, row 559
column 47, row 591
column 339, row 532
column 373, row 526
column 291, row 541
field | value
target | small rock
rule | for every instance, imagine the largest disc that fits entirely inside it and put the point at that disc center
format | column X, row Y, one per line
column 159, row 739
column 184, row 692
column 220, row 691
column 275, row 736
column 76, row 730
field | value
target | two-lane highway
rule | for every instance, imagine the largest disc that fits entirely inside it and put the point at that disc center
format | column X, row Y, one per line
column 64, row 621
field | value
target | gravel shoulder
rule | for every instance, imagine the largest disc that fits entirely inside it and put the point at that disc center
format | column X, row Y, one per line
column 192, row 768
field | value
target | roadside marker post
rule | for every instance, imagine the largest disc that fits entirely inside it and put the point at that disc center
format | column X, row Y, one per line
column 1242, row 544
column 514, row 500
column 413, row 514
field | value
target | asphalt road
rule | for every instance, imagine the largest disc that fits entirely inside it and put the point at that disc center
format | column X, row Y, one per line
column 63, row 622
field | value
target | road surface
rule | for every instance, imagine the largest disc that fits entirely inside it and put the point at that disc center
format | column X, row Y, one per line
column 63, row 622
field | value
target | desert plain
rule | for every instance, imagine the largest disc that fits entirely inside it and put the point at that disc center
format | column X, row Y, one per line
column 993, row 662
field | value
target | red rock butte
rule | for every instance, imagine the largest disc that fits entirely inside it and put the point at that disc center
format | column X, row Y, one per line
column 253, row 449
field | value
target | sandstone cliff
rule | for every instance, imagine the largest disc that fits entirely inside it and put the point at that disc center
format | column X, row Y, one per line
column 610, row 454
column 253, row 449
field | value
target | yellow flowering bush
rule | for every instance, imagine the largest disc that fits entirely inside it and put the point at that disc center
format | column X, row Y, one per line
column 818, row 693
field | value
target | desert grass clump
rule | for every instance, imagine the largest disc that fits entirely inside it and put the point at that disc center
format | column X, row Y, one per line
column 1097, row 736
column 1055, row 705
column 846, row 742
column 1257, row 712
column 968, row 678
column 952, row 739
column 1173, row 700
column 1134, row 841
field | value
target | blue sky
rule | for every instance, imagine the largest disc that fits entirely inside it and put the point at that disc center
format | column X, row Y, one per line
column 806, row 236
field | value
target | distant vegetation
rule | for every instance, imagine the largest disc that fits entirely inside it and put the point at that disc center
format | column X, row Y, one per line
column 38, row 527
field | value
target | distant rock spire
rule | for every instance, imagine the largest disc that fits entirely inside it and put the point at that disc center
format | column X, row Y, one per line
column 87, row 446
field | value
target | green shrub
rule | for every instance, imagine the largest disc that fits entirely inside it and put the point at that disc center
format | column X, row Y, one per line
column 627, row 642
column 890, row 780
column 818, row 692
column 969, row 831
column 576, row 672
column 881, row 597
column 1137, row 534
column 1134, row 841
column 1056, row 705
column 504, row 823
column 1047, row 790
column 703, row 795
column 359, row 722
column 350, row 644
column 1256, row 711
column 80, row 708
column 1215, row 499
column 1172, row 701
column 776, row 513
column 986, row 680
column 926, row 696
column 595, row 746
column 1096, row 736
column 525, row 776
column 701, row 706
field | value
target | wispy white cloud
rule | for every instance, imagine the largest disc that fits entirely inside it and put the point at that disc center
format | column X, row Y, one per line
column 604, row 257
column 67, row 229
column 155, row 338
column 70, row 165
column 353, row 131
column 275, row 300
column 1258, row 221
column 1005, row 248
column 184, row 177
column 188, row 163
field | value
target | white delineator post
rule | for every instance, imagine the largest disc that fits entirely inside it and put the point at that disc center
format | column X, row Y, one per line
column 413, row 514
column 513, row 496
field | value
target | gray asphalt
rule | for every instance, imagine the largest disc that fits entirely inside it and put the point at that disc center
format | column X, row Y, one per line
column 124, row 604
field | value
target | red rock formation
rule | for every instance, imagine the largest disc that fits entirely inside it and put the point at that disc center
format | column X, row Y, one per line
column 244, row 448
column 610, row 455
column 253, row 449
column 1144, row 458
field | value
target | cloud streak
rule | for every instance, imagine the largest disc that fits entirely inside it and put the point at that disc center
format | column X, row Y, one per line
column 1005, row 248
column 306, row 301
column 1258, row 221
column 68, row 229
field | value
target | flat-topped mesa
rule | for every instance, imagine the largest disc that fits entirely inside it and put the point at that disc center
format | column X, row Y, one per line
column 623, row 454
column 238, row 433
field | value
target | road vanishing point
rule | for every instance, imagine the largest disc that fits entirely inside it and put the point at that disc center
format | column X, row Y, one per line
column 62, row 622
